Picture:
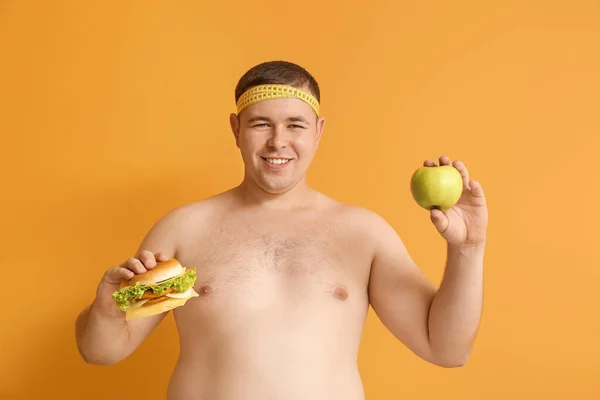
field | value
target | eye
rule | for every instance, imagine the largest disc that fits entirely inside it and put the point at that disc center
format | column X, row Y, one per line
column 297, row 126
column 265, row 125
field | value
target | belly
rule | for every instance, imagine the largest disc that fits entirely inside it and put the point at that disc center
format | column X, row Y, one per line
column 274, row 366
column 269, row 336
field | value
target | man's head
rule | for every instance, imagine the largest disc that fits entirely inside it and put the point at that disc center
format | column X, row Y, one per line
column 277, row 134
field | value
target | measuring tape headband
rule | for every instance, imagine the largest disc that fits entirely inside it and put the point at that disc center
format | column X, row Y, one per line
column 272, row 91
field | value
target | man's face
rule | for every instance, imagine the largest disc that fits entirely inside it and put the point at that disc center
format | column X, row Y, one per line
column 278, row 139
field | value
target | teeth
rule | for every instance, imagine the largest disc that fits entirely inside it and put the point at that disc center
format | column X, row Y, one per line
column 277, row 160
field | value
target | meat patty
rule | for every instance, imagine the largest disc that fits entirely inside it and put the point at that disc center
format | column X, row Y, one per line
column 149, row 294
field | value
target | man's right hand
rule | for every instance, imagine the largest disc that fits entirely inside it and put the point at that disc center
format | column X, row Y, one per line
column 111, row 281
column 103, row 334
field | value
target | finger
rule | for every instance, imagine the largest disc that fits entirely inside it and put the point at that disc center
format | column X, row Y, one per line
column 476, row 189
column 147, row 258
column 124, row 273
column 135, row 265
column 429, row 163
column 161, row 257
column 460, row 166
column 439, row 219
column 118, row 274
column 444, row 160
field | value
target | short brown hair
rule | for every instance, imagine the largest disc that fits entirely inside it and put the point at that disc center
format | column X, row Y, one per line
column 277, row 72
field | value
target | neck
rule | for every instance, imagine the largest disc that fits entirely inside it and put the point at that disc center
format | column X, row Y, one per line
column 297, row 196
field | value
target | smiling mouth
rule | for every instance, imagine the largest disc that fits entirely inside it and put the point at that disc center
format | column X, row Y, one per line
column 277, row 161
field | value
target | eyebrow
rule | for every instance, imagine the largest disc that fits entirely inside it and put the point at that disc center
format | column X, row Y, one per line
column 289, row 119
column 258, row 118
column 298, row 119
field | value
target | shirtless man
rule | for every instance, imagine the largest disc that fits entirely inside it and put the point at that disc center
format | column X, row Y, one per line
column 286, row 274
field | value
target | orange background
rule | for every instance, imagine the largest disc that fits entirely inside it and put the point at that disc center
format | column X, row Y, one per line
column 113, row 113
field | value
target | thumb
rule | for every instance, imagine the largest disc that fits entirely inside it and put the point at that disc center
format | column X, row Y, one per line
column 439, row 219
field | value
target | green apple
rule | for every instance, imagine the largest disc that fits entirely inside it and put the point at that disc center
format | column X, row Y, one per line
column 436, row 187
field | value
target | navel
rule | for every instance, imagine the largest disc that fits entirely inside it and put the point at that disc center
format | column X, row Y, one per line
column 205, row 290
column 340, row 293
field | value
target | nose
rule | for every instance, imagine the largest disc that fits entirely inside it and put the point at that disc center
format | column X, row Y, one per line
column 278, row 139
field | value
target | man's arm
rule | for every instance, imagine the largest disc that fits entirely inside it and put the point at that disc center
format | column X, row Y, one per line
column 103, row 335
column 438, row 325
column 106, row 339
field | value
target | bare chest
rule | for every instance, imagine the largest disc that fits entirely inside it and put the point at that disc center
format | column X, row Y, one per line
column 278, row 262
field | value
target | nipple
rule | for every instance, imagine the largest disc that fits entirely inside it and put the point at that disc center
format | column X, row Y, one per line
column 205, row 290
column 340, row 293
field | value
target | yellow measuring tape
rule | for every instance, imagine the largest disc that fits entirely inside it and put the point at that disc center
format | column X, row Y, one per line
column 272, row 91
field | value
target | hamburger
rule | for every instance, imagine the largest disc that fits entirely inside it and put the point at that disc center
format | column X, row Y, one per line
column 166, row 286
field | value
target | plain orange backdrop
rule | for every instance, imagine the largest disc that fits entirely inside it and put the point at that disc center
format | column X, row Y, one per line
column 113, row 113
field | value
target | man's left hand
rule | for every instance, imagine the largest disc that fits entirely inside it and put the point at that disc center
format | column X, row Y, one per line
column 466, row 222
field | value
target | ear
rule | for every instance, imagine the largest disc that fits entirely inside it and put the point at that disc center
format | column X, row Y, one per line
column 234, row 122
column 320, row 127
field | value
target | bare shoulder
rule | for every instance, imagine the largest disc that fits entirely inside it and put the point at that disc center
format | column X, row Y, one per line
column 166, row 233
column 364, row 227
column 189, row 213
column 365, row 220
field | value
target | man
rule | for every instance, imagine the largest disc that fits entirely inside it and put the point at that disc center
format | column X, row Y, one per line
column 286, row 274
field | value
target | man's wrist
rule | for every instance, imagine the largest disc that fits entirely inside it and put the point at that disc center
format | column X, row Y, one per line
column 105, row 308
column 467, row 247
column 466, row 253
